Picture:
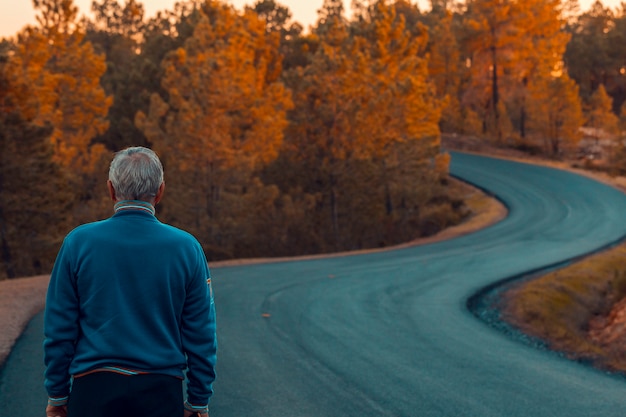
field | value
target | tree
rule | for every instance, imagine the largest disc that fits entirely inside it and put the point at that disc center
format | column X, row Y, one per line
column 492, row 40
column 616, row 81
column 330, row 94
column 618, row 162
column 446, row 71
column 411, row 13
column 539, row 52
column 327, row 17
column 117, row 33
column 587, row 56
column 406, row 103
column 33, row 220
column 110, row 17
column 555, row 112
column 601, row 119
column 509, row 43
column 365, row 116
column 221, row 119
column 278, row 20
column 66, row 96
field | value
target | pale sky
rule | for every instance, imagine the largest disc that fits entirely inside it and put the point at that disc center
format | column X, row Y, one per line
column 15, row 14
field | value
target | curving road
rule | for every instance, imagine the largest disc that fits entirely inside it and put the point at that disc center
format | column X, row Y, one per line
column 389, row 334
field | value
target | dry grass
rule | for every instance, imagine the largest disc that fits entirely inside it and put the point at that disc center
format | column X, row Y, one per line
column 579, row 310
column 561, row 308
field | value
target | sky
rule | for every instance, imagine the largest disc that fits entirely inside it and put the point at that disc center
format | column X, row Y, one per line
column 15, row 14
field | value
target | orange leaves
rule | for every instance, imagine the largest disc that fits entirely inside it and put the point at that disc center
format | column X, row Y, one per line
column 600, row 114
column 366, row 122
column 510, row 43
column 223, row 114
column 444, row 63
column 217, row 85
column 442, row 164
column 364, row 92
column 555, row 112
column 542, row 40
column 63, row 76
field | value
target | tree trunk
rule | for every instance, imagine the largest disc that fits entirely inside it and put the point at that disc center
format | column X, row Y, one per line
column 334, row 210
column 495, row 97
column 7, row 259
column 522, row 121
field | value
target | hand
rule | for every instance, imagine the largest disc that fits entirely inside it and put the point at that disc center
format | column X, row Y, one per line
column 57, row 411
column 192, row 414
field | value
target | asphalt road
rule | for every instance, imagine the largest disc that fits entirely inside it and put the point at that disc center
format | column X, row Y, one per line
column 389, row 334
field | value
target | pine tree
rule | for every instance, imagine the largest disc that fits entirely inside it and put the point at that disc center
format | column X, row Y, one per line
column 221, row 119
column 329, row 121
column 117, row 32
column 587, row 57
column 556, row 112
column 34, row 191
column 64, row 74
column 366, row 116
column 601, row 119
column 618, row 162
column 539, row 52
column 445, row 69
column 491, row 41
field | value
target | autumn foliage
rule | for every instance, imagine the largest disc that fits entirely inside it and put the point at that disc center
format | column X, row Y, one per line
column 281, row 141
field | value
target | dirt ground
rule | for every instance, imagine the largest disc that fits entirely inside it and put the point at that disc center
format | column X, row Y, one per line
column 20, row 300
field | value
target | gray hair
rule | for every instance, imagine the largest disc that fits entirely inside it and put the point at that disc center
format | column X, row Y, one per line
column 136, row 174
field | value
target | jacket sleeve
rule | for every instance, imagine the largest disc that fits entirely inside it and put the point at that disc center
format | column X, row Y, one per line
column 198, row 333
column 60, row 325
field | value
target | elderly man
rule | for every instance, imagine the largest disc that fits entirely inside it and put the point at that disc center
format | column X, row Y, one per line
column 129, row 308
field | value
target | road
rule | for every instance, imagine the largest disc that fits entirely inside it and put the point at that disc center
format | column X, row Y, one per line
column 389, row 333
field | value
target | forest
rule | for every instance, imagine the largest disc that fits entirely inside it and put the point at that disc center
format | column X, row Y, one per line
column 279, row 140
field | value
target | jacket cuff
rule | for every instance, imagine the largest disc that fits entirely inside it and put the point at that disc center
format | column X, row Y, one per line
column 202, row 409
column 57, row 401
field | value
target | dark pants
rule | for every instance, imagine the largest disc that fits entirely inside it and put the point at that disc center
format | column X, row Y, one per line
column 107, row 394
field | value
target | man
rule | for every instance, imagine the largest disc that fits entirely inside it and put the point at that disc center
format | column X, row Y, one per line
column 129, row 308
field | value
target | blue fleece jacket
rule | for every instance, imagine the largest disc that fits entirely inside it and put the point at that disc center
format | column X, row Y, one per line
column 132, row 293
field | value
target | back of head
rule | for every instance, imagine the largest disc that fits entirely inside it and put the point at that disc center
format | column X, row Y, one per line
column 136, row 174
